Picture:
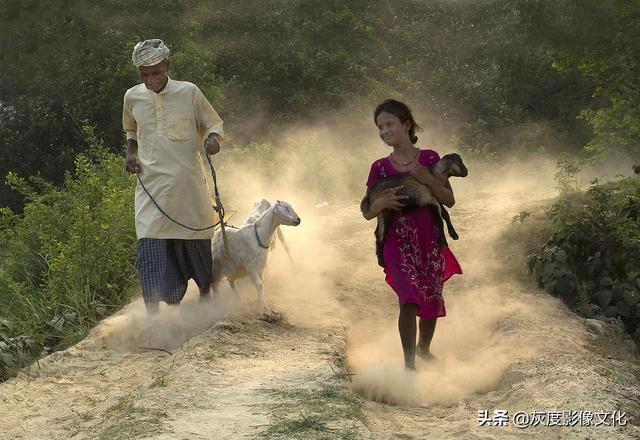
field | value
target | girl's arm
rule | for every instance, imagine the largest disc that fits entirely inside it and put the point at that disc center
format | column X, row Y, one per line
column 388, row 200
column 443, row 192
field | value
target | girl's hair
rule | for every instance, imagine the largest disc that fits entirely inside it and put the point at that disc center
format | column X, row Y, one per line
column 402, row 111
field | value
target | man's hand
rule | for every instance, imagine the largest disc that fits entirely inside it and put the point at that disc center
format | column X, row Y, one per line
column 131, row 164
column 211, row 144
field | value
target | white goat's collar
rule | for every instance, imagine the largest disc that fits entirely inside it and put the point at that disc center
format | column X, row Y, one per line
column 255, row 229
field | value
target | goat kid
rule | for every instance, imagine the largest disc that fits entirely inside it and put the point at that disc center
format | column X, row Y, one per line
column 260, row 206
column 420, row 196
column 248, row 248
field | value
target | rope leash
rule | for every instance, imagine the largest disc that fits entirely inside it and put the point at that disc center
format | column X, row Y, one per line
column 217, row 208
column 168, row 216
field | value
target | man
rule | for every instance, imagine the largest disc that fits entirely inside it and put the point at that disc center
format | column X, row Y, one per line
column 169, row 125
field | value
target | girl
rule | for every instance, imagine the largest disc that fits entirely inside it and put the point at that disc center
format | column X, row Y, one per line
column 416, row 267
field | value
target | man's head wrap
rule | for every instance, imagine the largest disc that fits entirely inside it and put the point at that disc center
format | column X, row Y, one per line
column 149, row 52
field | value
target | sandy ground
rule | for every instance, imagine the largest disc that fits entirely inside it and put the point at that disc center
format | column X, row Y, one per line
column 503, row 346
column 222, row 371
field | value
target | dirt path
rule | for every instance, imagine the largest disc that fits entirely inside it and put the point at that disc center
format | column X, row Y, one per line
column 239, row 378
column 246, row 375
column 503, row 346
column 204, row 370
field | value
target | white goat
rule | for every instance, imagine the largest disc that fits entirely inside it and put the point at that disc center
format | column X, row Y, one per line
column 248, row 248
column 259, row 207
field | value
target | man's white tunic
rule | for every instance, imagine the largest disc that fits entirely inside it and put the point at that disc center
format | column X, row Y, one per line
column 170, row 128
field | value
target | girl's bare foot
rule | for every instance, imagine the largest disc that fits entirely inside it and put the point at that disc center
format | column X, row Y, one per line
column 410, row 367
column 425, row 354
column 410, row 360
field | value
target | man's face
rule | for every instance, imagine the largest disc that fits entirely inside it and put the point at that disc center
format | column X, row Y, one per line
column 155, row 77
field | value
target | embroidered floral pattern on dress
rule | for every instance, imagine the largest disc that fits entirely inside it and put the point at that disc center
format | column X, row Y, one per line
column 425, row 273
column 383, row 173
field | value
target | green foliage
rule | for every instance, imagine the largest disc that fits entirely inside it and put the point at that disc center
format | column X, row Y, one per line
column 567, row 175
column 69, row 258
column 599, row 40
column 36, row 135
column 521, row 217
column 593, row 259
column 78, row 54
column 493, row 76
column 286, row 61
column 16, row 350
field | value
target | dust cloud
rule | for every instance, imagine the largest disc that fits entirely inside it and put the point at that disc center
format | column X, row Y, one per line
column 471, row 347
column 295, row 287
column 296, row 283
column 491, row 320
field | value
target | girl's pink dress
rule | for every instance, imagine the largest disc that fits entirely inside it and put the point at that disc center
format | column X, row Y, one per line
column 416, row 267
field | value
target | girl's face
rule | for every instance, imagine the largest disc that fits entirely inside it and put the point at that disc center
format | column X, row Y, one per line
column 391, row 130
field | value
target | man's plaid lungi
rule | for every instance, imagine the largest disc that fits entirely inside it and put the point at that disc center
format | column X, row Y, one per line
column 166, row 265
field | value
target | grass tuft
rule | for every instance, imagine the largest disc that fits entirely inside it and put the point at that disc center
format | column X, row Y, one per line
column 125, row 420
column 331, row 411
column 275, row 317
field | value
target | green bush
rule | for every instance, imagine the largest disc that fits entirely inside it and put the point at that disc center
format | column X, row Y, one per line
column 68, row 260
column 15, row 351
column 593, row 259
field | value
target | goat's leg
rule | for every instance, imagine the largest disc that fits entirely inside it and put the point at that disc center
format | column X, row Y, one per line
column 445, row 215
column 380, row 228
column 384, row 218
column 379, row 245
column 232, row 283
column 380, row 253
column 365, row 204
column 257, row 281
column 216, row 277
column 211, row 291
column 442, row 239
column 235, row 301
column 284, row 244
